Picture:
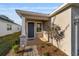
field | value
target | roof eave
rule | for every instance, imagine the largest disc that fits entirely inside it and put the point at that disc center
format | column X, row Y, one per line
column 18, row 12
column 21, row 12
column 59, row 9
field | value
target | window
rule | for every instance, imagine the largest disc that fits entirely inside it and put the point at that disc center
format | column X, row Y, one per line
column 38, row 27
column 18, row 28
column 9, row 27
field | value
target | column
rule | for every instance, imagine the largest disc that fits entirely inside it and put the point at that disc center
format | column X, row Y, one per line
column 23, row 26
column 50, row 22
column 23, row 37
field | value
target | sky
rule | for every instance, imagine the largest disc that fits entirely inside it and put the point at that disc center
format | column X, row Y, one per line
column 8, row 9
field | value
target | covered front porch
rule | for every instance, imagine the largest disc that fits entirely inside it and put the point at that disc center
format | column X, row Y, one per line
column 34, row 25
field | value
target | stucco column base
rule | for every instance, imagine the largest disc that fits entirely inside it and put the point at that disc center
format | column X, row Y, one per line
column 23, row 41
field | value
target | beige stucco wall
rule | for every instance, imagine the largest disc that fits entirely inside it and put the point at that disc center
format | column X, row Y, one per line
column 63, row 19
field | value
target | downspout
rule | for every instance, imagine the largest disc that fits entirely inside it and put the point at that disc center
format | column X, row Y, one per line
column 76, row 36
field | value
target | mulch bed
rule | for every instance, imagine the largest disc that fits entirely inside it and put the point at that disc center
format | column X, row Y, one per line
column 47, row 49
column 51, row 50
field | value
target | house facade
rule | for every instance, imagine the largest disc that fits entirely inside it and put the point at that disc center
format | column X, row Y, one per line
column 7, row 26
column 66, row 17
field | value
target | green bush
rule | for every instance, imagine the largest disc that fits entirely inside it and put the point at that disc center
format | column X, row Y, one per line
column 16, row 48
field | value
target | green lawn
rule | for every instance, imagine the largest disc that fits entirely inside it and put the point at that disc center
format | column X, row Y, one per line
column 6, row 42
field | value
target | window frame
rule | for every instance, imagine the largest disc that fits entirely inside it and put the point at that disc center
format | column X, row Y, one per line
column 9, row 27
column 39, row 29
